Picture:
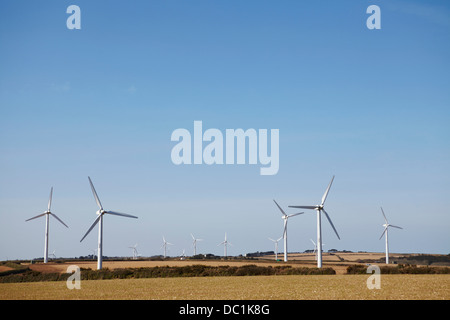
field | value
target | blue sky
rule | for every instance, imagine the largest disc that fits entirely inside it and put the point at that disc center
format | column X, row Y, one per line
column 371, row 107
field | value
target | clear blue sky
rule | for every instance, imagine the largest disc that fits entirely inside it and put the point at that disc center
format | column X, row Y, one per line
column 371, row 107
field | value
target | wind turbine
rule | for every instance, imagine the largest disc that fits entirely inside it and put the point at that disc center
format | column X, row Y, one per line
column 53, row 254
column 285, row 217
column 135, row 252
column 100, row 214
column 276, row 247
column 165, row 244
column 225, row 244
column 183, row 255
column 194, row 243
column 319, row 208
column 95, row 253
column 386, row 226
column 47, row 220
column 315, row 248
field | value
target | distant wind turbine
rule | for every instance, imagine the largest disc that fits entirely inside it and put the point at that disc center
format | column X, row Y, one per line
column 135, row 252
column 320, row 208
column 315, row 248
column 276, row 247
column 386, row 226
column 100, row 214
column 194, row 243
column 47, row 218
column 95, row 253
column 165, row 244
column 225, row 243
column 285, row 217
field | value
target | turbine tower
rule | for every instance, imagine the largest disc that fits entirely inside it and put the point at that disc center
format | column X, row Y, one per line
column 194, row 243
column 99, row 220
column 165, row 244
column 285, row 217
column 225, row 244
column 276, row 247
column 320, row 208
column 386, row 226
column 47, row 220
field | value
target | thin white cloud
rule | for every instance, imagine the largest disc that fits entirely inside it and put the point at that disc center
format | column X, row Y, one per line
column 132, row 89
column 64, row 87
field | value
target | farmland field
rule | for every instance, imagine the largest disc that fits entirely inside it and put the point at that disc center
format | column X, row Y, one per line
column 336, row 287
column 339, row 286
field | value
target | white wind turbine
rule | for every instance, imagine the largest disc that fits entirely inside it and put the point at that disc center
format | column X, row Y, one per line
column 53, row 254
column 319, row 208
column 47, row 220
column 99, row 220
column 276, row 247
column 225, row 243
column 194, row 243
column 315, row 247
column 135, row 252
column 386, row 226
column 285, row 217
column 165, row 244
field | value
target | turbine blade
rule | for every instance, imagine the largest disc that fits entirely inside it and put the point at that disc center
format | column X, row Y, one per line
column 303, row 207
column 326, row 192
column 95, row 194
column 272, row 239
column 383, row 233
column 58, row 219
column 395, row 226
column 294, row 214
column 279, row 208
column 39, row 215
column 92, row 226
column 50, row 199
column 329, row 220
column 121, row 214
column 384, row 215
